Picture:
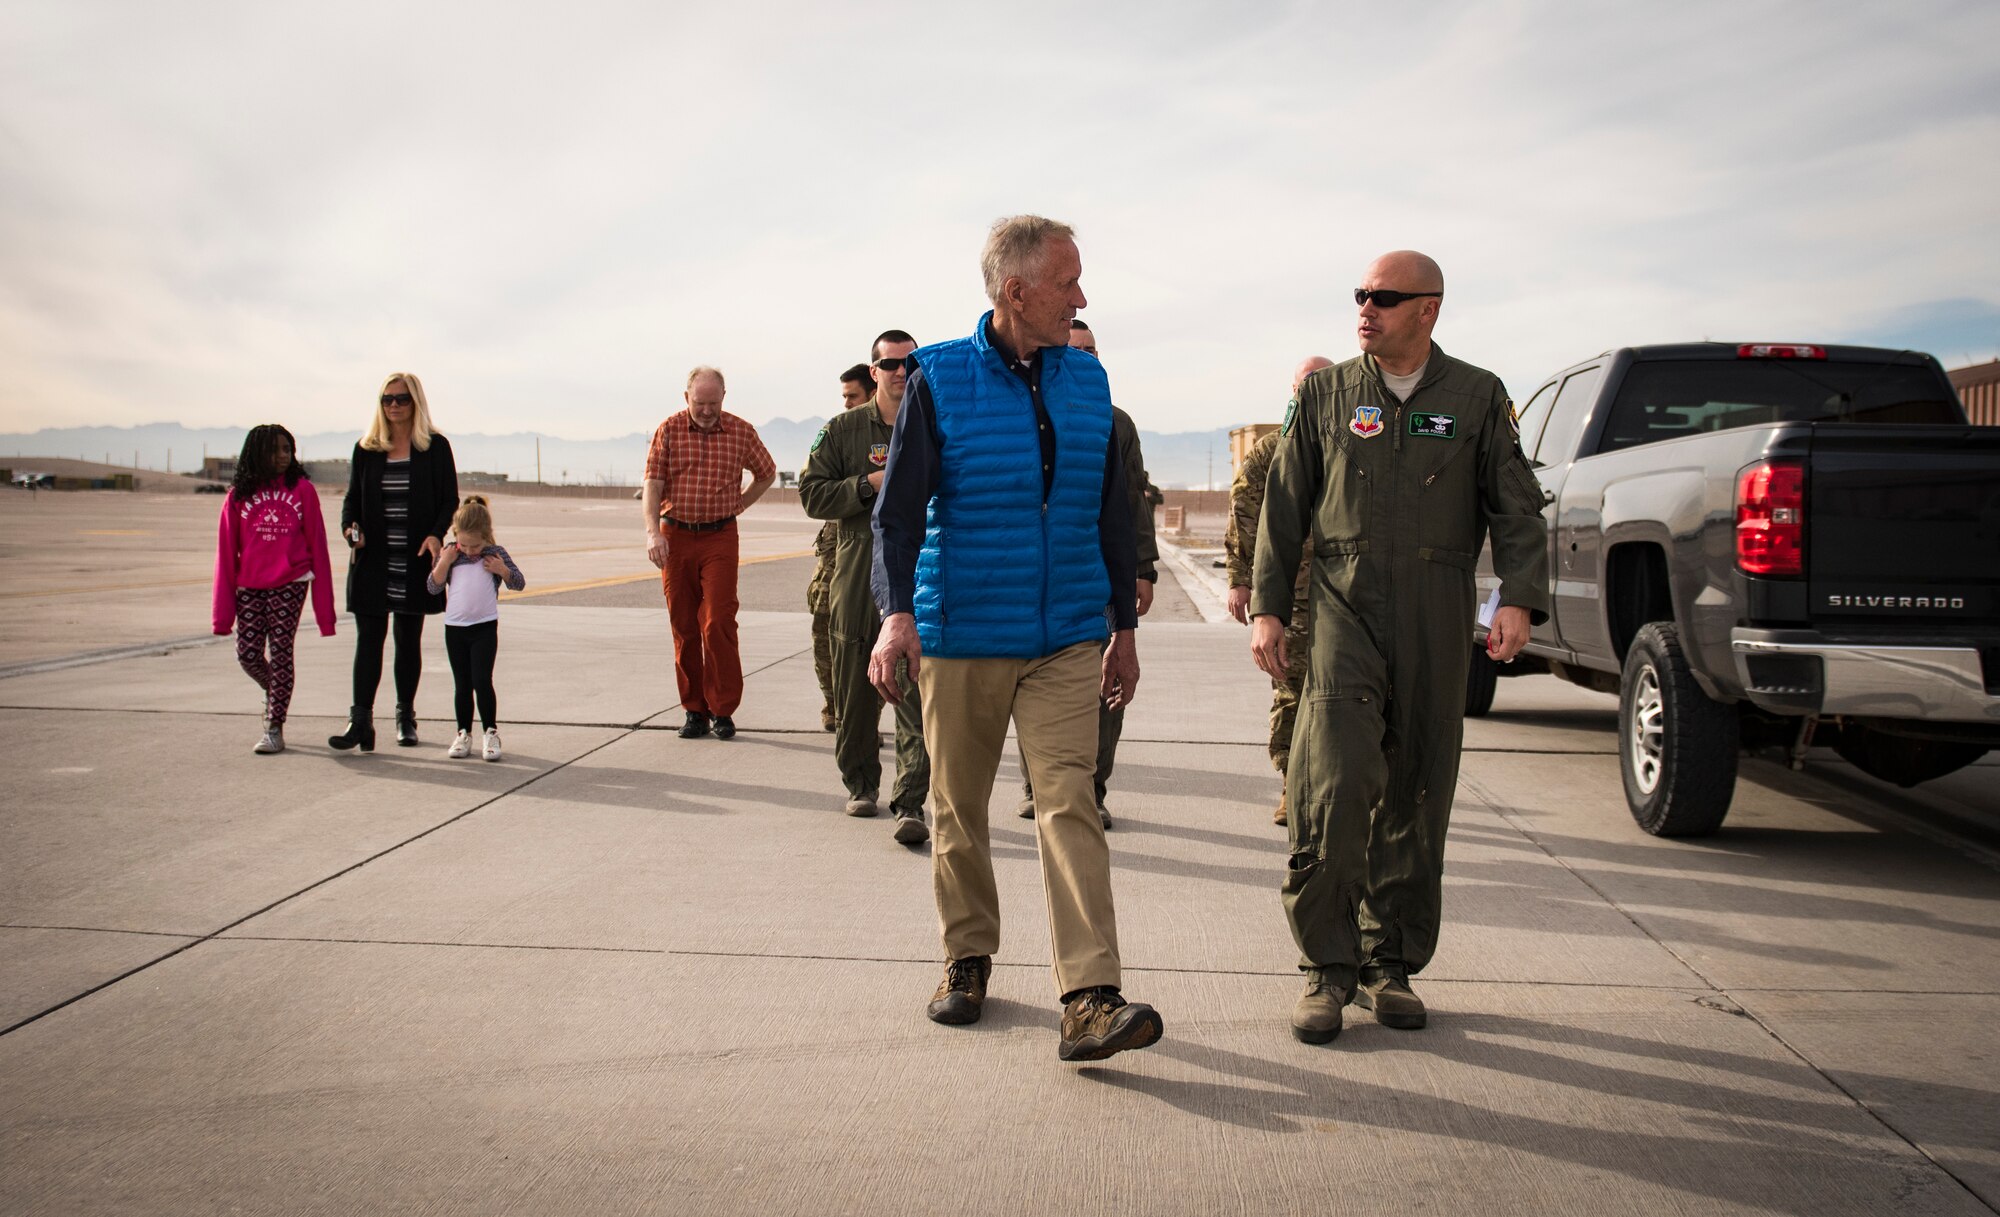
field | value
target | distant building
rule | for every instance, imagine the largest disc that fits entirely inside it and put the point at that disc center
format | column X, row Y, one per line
column 322, row 473
column 1243, row 439
column 1979, row 388
column 328, row 473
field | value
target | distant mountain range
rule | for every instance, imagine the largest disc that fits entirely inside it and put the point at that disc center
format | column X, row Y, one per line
column 1176, row 460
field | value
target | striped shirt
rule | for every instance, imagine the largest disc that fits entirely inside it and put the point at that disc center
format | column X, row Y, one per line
column 396, row 513
column 703, row 470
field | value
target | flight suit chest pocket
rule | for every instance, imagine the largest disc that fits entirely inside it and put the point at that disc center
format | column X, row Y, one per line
column 1343, row 514
column 1448, row 493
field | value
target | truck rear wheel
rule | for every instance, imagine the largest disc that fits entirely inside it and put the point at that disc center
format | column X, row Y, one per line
column 1482, row 676
column 1901, row 759
column 1676, row 746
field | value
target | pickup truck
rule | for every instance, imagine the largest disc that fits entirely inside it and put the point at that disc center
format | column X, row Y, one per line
column 1766, row 546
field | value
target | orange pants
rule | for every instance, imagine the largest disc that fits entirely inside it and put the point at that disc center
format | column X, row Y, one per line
column 700, row 582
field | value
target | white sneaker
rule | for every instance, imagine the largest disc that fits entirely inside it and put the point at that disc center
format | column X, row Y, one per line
column 461, row 745
column 490, row 750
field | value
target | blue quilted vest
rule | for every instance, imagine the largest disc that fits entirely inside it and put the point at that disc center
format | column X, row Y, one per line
column 1001, row 575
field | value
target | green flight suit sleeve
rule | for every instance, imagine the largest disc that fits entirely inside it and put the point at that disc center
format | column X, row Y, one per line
column 1291, row 496
column 1246, row 500
column 1511, row 497
column 824, row 493
column 1136, row 481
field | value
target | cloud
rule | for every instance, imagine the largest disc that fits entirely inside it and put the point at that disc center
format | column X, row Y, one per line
column 551, row 214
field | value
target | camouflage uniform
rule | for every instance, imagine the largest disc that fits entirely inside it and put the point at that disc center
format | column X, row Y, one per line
column 1246, row 501
column 819, row 600
column 1111, row 723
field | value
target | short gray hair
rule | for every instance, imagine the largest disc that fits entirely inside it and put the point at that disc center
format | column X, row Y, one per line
column 702, row 370
column 1016, row 246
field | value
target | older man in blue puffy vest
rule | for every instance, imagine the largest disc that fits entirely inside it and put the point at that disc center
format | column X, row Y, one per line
column 1004, row 555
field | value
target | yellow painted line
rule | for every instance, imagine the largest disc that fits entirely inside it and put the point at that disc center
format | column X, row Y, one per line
column 618, row 580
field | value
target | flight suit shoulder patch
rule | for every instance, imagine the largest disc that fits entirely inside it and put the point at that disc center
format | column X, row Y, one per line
column 1291, row 416
column 817, row 441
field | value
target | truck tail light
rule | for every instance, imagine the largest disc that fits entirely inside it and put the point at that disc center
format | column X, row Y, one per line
column 1779, row 350
column 1771, row 518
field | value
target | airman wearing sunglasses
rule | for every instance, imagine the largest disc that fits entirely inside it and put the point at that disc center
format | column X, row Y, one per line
column 842, row 477
column 1397, row 465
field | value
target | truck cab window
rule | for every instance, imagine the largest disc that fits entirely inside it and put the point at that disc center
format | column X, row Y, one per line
column 1533, row 416
column 1667, row 399
column 1567, row 416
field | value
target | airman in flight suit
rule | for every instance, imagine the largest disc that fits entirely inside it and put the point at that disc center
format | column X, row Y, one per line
column 1397, row 464
column 842, row 477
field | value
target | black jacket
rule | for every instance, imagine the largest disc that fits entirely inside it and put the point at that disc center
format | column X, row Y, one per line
column 433, row 499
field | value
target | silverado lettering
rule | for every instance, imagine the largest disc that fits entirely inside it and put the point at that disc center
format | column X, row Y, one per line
column 1930, row 602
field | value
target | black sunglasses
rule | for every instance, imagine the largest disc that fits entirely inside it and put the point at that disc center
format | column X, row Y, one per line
column 398, row 399
column 1384, row 298
column 890, row 365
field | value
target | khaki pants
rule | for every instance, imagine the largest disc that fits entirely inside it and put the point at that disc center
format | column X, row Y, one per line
column 1053, row 704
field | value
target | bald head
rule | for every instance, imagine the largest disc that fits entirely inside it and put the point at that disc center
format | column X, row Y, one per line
column 1306, row 368
column 1399, row 335
column 1405, row 270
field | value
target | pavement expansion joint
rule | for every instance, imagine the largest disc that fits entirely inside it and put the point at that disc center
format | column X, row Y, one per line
column 316, row 884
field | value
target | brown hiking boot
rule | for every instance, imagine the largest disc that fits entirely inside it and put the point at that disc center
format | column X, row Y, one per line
column 828, row 720
column 1316, row 1017
column 962, row 992
column 1393, row 1003
column 1097, row 1023
column 1278, row 817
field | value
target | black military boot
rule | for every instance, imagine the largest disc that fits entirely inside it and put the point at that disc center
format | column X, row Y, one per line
column 406, row 725
column 360, row 731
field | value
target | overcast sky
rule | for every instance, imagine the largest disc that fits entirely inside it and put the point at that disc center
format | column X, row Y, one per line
column 222, row 213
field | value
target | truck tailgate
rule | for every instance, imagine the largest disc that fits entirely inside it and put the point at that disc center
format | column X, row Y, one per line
column 1903, row 528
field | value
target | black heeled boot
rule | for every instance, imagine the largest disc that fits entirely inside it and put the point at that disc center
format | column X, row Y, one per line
column 406, row 725
column 360, row 731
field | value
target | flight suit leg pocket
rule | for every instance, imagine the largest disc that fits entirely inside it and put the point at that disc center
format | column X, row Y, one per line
column 1337, row 775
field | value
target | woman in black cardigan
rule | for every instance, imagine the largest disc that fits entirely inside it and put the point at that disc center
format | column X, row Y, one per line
column 401, row 492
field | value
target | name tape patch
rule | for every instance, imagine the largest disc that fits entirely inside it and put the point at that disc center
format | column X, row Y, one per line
column 1437, row 426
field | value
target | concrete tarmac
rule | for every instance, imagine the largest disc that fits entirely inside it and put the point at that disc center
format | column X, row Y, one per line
column 620, row 972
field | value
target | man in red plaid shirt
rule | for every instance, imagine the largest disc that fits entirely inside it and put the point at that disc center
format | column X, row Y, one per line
column 694, row 492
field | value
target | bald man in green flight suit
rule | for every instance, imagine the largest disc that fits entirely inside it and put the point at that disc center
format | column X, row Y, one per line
column 1396, row 464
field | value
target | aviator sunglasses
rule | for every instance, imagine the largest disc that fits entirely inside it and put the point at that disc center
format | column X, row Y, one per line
column 1384, row 298
column 398, row 399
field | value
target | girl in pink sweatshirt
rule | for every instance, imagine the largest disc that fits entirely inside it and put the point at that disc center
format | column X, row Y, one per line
column 270, row 551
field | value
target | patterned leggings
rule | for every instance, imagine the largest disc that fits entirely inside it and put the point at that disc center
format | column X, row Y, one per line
column 269, row 615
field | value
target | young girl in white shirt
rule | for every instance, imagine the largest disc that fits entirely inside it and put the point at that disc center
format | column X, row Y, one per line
column 470, row 572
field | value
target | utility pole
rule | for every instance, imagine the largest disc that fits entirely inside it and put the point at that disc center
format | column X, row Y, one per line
column 170, row 460
column 538, row 460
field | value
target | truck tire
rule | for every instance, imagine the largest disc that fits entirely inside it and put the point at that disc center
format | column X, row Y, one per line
column 1677, row 747
column 1482, row 676
column 1900, row 759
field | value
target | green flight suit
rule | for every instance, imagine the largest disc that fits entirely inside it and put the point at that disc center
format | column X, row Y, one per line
column 819, row 596
column 1397, row 498
column 834, row 486
column 1246, row 503
column 1111, row 723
